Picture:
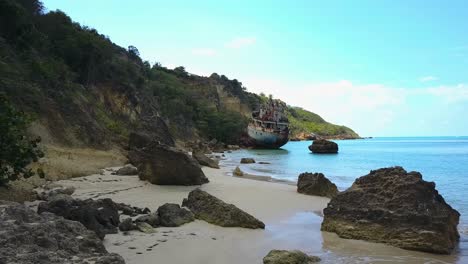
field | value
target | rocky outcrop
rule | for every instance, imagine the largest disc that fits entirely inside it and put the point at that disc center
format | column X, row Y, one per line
column 101, row 216
column 172, row 215
column 50, row 190
column 204, row 160
column 247, row 160
column 212, row 210
column 29, row 238
column 289, row 257
column 323, row 146
column 316, row 184
column 127, row 170
column 395, row 207
column 165, row 165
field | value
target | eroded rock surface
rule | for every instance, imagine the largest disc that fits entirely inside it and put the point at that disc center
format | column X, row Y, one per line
column 172, row 215
column 289, row 257
column 29, row 238
column 323, row 146
column 213, row 210
column 316, row 184
column 204, row 160
column 126, row 170
column 395, row 207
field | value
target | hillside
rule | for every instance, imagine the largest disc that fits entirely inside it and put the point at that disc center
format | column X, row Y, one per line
column 86, row 91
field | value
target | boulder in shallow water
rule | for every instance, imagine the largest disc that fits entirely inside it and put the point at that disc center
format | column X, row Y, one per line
column 164, row 165
column 289, row 257
column 29, row 238
column 395, row 207
column 316, row 184
column 247, row 160
column 204, row 160
column 101, row 215
column 323, row 146
column 213, row 210
column 237, row 172
column 172, row 215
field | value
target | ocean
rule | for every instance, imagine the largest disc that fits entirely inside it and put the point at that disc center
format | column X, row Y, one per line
column 443, row 160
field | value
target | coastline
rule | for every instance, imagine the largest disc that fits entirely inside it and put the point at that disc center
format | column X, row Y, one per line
column 292, row 222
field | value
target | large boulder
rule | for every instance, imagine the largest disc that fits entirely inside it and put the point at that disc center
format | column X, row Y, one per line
column 323, row 146
column 395, row 207
column 289, row 257
column 101, row 215
column 212, row 210
column 172, row 215
column 247, row 160
column 316, row 184
column 204, row 160
column 165, row 165
column 29, row 238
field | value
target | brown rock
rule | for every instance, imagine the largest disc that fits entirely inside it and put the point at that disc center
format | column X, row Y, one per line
column 316, row 184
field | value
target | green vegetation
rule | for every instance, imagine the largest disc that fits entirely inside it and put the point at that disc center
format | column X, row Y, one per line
column 304, row 121
column 17, row 151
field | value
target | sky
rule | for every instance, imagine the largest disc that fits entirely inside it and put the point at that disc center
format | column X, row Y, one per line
column 383, row 68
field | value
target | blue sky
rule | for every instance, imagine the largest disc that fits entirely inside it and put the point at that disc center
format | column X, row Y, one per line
column 383, row 68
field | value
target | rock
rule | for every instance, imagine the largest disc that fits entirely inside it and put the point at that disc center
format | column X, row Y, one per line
column 29, row 238
column 212, row 210
column 151, row 219
column 128, row 169
column 164, row 165
column 289, row 257
column 316, row 184
column 264, row 162
column 247, row 160
column 204, row 160
column 101, row 215
column 48, row 191
column 233, row 147
column 127, row 225
column 393, row 206
column 237, row 172
column 145, row 227
column 172, row 215
column 323, row 146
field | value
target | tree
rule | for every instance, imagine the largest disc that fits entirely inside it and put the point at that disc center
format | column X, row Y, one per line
column 17, row 151
column 134, row 53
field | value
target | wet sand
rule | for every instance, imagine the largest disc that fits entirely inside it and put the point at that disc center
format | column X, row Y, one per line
column 292, row 222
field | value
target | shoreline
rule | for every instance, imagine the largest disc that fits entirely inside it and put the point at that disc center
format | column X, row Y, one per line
column 292, row 222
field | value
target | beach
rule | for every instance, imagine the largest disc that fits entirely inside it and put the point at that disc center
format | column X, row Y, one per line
column 292, row 222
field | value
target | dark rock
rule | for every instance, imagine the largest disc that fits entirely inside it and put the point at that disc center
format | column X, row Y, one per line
column 127, row 225
column 212, row 210
column 29, row 238
column 264, row 162
column 101, row 215
column 316, row 184
column 247, row 160
column 164, row 165
column 204, row 160
column 151, row 219
column 127, row 170
column 323, row 146
column 172, row 215
column 289, row 257
column 395, row 207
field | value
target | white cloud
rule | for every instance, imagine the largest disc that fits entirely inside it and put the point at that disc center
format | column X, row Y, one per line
column 428, row 79
column 241, row 42
column 207, row 52
column 450, row 94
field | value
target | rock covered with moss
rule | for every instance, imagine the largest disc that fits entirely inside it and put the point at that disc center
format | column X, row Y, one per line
column 289, row 257
column 396, row 207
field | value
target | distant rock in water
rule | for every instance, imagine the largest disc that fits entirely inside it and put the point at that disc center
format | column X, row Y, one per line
column 211, row 209
column 316, row 184
column 165, row 165
column 289, row 257
column 204, row 160
column 395, row 207
column 29, row 238
column 247, row 160
column 323, row 146
column 101, row 215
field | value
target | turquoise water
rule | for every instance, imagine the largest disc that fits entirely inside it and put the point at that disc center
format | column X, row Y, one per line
column 443, row 160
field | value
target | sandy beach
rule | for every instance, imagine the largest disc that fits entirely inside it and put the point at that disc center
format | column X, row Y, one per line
column 292, row 222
